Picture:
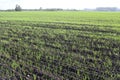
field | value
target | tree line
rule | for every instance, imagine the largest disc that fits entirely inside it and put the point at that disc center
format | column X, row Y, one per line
column 19, row 8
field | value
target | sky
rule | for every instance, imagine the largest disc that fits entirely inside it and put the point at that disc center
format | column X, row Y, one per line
column 65, row 4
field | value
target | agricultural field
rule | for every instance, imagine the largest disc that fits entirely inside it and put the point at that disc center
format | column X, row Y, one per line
column 59, row 45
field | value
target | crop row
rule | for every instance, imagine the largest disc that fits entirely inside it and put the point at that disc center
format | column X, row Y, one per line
column 54, row 51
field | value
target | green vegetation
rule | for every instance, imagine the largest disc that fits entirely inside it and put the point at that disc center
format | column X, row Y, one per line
column 60, row 45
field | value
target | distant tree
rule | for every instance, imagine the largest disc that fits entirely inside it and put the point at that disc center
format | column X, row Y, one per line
column 18, row 8
column 40, row 8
